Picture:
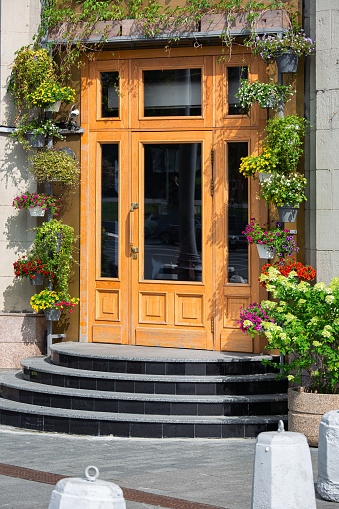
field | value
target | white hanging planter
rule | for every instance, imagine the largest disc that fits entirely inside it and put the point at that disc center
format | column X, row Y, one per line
column 37, row 211
column 287, row 213
column 55, row 107
column 265, row 252
column 263, row 176
column 52, row 314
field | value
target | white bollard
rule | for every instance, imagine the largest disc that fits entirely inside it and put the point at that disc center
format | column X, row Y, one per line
column 282, row 476
column 328, row 456
column 89, row 493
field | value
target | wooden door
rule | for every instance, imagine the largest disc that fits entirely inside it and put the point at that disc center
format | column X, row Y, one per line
column 172, row 300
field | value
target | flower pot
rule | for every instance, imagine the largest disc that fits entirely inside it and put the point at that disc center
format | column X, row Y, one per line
column 36, row 140
column 287, row 213
column 263, row 176
column 287, row 62
column 52, row 314
column 269, row 103
column 37, row 211
column 38, row 279
column 305, row 410
column 55, row 107
column 265, row 252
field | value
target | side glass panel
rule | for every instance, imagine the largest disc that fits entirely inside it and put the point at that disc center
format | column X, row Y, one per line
column 109, row 94
column 109, row 210
column 234, row 74
column 172, row 92
column 173, row 205
column 237, row 214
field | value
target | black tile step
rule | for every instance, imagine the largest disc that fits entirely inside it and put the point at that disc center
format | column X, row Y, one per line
column 40, row 369
column 80, row 422
column 155, row 361
column 15, row 388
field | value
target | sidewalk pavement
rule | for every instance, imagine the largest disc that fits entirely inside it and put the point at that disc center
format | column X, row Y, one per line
column 205, row 471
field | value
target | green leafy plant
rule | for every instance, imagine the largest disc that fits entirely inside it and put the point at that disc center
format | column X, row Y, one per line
column 31, row 67
column 305, row 327
column 52, row 164
column 31, row 200
column 54, row 245
column 283, row 189
column 262, row 93
column 266, row 162
column 48, row 299
column 295, row 40
column 284, row 135
column 276, row 240
column 45, row 127
column 48, row 93
column 30, row 266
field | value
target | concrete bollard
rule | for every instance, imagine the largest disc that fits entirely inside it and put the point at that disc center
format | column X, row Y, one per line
column 328, row 457
column 282, row 476
column 89, row 493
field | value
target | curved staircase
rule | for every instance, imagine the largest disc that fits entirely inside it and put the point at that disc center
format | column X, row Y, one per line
column 131, row 391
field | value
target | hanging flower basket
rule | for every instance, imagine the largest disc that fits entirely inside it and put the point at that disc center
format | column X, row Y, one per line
column 264, row 252
column 287, row 62
column 37, row 211
column 55, row 107
column 52, row 314
column 270, row 103
column 36, row 279
column 36, row 140
column 287, row 213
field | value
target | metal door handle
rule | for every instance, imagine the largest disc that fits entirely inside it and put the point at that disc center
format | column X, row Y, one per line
column 134, row 206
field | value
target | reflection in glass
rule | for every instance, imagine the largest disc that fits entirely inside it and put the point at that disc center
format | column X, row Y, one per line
column 234, row 74
column 173, row 225
column 109, row 210
column 109, row 94
column 237, row 214
column 172, row 92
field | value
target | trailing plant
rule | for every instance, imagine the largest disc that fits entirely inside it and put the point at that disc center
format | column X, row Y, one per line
column 29, row 266
column 262, row 93
column 52, row 164
column 47, row 93
column 45, row 127
column 284, row 135
column 305, row 326
column 48, row 299
column 54, row 244
column 285, row 266
column 31, row 67
column 266, row 162
column 295, row 40
column 251, row 319
column 284, row 189
column 277, row 240
column 31, row 200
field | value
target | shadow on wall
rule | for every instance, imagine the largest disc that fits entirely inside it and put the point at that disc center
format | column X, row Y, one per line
column 15, row 294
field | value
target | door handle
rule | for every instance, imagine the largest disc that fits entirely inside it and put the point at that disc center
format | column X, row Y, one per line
column 134, row 250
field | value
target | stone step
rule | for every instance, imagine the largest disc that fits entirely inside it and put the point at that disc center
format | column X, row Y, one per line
column 16, row 388
column 41, row 370
column 81, row 422
column 156, row 361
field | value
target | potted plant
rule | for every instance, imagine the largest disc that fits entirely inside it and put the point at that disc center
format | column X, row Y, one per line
column 251, row 319
column 304, row 325
column 30, row 69
column 270, row 242
column 264, row 164
column 285, row 266
column 33, row 133
column 52, row 303
column 54, row 245
column 267, row 95
column 34, row 269
column 286, row 192
column 286, row 49
column 49, row 95
column 37, row 204
column 51, row 164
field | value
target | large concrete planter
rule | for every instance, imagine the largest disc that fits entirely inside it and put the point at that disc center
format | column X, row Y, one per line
column 305, row 410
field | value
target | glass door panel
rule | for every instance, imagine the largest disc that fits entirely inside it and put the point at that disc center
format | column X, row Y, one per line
column 172, row 212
